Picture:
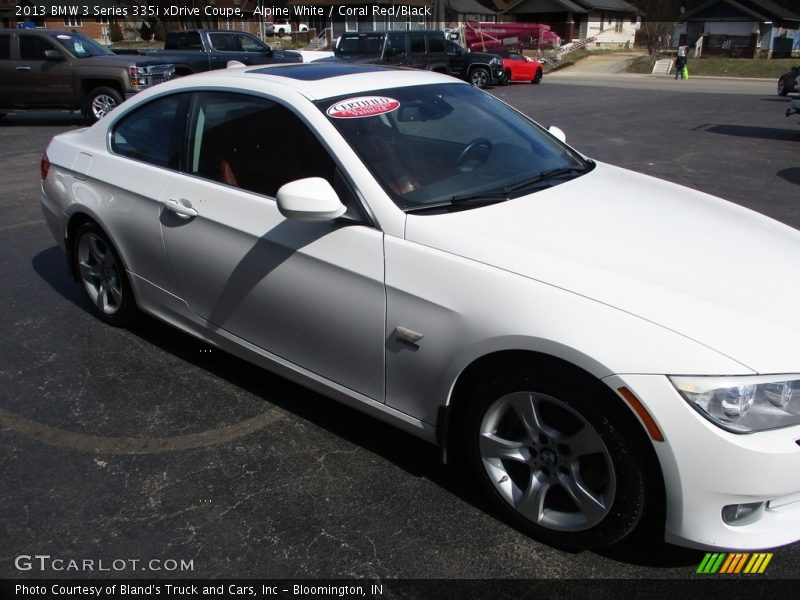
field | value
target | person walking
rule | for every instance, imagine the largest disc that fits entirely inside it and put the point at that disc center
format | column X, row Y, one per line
column 681, row 62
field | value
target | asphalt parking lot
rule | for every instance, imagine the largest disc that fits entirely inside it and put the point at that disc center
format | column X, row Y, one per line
column 146, row 444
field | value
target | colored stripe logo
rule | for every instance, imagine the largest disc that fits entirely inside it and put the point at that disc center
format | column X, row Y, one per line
column 735, row 562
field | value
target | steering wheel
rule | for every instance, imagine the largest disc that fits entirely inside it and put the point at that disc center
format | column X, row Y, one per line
column 473, row 155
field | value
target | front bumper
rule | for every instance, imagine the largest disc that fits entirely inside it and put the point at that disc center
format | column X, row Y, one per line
column 706, row 468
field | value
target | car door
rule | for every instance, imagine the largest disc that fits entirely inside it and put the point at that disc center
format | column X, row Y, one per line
column 8, row 74
column 456, row 60
column 311, row 293
column 522, row 69
column 48, row 82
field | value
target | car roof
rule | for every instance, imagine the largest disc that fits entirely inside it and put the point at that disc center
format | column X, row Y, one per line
column 315, row 81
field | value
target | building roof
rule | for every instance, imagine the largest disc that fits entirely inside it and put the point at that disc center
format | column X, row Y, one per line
column 571, row 6
column 740, row 10
column 470, row 7
column 617, row 5
column 544, row 6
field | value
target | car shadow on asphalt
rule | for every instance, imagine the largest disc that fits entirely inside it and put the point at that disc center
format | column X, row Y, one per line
column 792, row 175
column 416, row 457
column 764, row 133
column 43, row 119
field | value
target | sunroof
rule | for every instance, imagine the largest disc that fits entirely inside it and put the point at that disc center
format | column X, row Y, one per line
column 317, row 70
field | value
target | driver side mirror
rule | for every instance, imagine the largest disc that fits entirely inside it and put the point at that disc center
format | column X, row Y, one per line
column 53, row 55
column 309, row 199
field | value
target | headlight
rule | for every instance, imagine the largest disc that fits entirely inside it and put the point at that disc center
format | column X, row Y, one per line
column 744, row 404
column 496, row 61
column 138, row 75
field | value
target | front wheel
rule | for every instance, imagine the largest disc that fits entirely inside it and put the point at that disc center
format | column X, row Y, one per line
column 537, row 79
column 479, row 77
column 782, row 91
column 548, row 455
column 103, row 276
column 100, row 102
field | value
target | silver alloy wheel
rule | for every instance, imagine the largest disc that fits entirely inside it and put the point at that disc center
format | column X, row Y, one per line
column 102, row 104
column 479, row 78
column 100, row 273
column 547, row 461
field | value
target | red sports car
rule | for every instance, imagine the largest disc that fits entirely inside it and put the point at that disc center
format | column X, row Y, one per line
column 520, row 68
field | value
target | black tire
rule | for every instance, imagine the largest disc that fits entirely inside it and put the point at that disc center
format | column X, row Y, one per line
column 479, row 77
column 102, row 276
column 782, row 91
column 101, row 101
column 506, row 78
column 2, row 115
column 537, row 79
column 574, row 468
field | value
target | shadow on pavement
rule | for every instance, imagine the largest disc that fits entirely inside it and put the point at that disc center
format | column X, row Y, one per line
column 765, row 133
column 416, row 457
column 43, row 119
column 792, row 175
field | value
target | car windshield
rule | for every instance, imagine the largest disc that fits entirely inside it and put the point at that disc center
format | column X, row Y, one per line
column 80, row 46
column 448, row 145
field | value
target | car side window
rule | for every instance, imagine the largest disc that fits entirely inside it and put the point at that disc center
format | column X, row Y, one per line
column 154, row 132
column 257, row 145
column 396, row 44
column 5, row 47
column 189, row 40
column 33, row 48
column 436, row 44
column 249, row 44
column 224, row 42
column 417, row 43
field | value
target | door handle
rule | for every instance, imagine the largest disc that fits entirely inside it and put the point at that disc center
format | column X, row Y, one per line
column 23, row 68
column 180, row 209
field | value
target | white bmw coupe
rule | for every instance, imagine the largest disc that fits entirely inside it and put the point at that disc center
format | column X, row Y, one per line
column 593, row 344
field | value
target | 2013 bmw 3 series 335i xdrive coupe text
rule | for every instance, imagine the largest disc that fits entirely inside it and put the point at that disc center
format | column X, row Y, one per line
column 592, row 344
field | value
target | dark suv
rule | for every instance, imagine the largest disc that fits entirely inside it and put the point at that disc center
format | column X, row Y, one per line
column 421, row 49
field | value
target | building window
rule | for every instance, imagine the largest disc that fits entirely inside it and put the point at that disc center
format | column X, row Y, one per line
column 73, row 22
column 102, row 20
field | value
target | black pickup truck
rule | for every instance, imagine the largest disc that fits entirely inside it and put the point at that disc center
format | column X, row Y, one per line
column 200, row 50
column 420, row 49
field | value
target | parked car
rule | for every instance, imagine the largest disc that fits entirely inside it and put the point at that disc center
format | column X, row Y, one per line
column 521, row 68
column 428, row 50
column 794, row 107
column 576, row 334
column 788, row 82
column 283, row 27
column 47, row 69
column 198, row 50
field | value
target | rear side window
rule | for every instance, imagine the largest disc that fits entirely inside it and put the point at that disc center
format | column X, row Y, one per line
column 5, row 47
column 189, row 40
column 225, row 42
column 33, row 48
column 436, row 44
column 153, row 133
column 417, row 43
column 396, row 44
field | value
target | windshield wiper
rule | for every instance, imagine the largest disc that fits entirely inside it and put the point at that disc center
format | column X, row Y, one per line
column 493, row 197
column 544, row 176
column 461, row 201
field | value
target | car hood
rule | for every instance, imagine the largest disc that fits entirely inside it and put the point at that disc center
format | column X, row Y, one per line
column 487, row 56
column 715, row 272
column 118, row 61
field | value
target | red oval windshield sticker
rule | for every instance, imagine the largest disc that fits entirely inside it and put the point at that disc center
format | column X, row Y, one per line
column 363, row 106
